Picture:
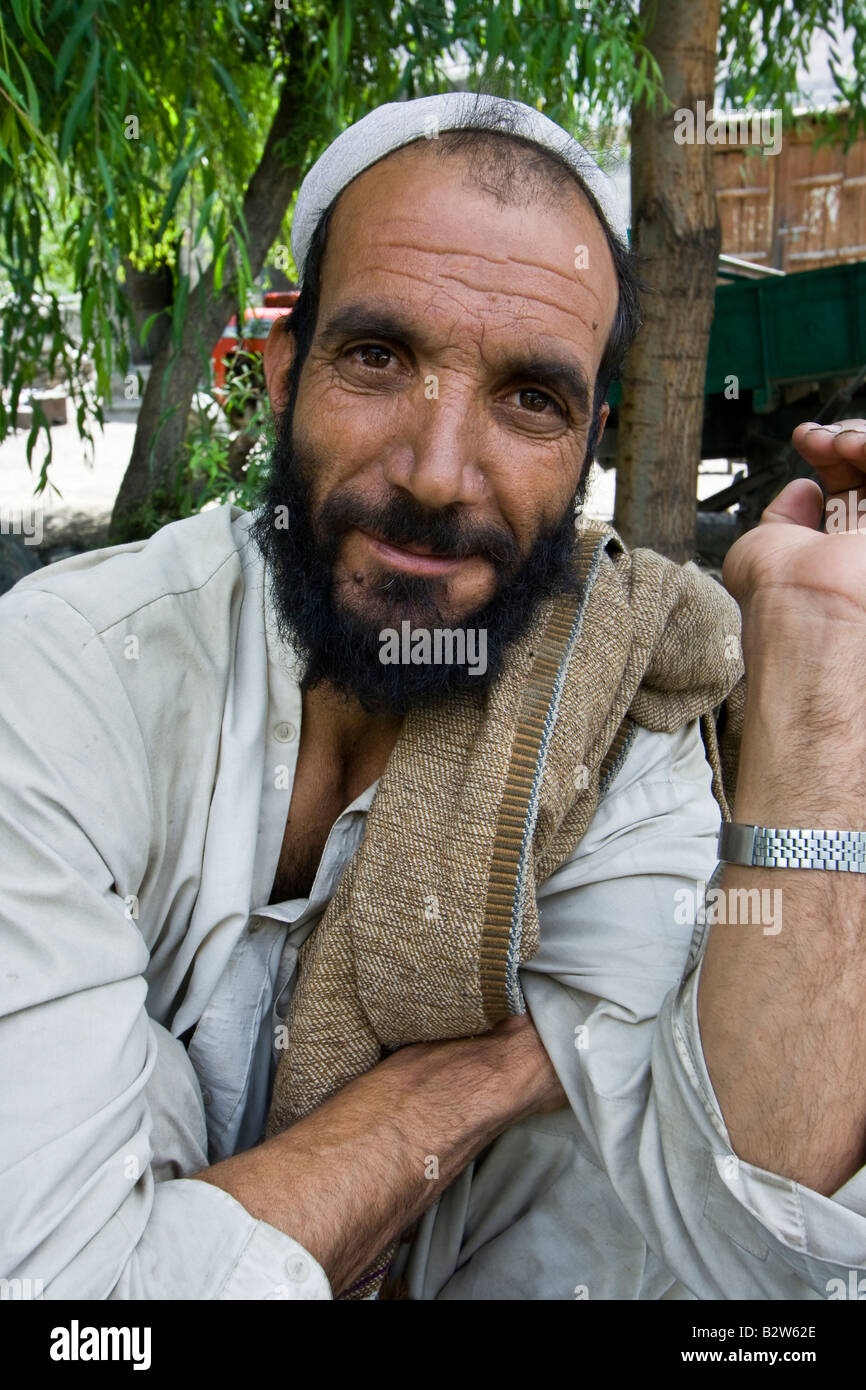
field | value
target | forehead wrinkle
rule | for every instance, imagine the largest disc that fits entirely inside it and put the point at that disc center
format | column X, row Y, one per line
column 539, row 266
column 572, row 277
column 450, row 253
column 532, row 298
column 438, row 291
column 530, row 294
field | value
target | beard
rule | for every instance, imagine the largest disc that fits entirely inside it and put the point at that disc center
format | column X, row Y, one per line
column 337, row 629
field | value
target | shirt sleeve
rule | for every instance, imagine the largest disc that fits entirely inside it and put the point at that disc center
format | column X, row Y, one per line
column 612, row 991
column 820, row 1239
column 88, row 1208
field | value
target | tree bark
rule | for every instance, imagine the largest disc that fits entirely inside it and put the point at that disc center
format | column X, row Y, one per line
column 675, row 230
column 148, row 292
column 176, row 371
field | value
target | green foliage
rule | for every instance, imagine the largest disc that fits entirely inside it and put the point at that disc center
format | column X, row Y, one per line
column 210, row 476
column 762, row 43
column 117, row 123
column 210, row 480
column 582, row 64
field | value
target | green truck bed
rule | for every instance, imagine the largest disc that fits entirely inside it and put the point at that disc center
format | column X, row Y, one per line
column 805, row 327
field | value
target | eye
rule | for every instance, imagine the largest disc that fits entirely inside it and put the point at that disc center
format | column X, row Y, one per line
column 536, row 402
column 372, row 355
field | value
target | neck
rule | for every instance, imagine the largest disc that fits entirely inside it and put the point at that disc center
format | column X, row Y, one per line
column 345, row 729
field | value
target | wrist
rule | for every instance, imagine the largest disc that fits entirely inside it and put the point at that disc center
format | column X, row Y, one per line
column 801, row 648
column 803, row 686
column 480, row 1081
column 803, row 745
column 790, row 775
column 824, row 597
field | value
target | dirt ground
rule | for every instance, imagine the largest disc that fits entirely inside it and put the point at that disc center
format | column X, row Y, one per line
column 76, row 504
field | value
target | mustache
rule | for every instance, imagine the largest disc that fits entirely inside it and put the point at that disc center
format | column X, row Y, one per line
column 400, row 520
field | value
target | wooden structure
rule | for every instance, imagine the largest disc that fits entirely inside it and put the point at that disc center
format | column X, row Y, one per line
column 801, row 209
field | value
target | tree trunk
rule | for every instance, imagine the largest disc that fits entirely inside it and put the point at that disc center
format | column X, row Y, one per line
column 675, row 229
column 148, row 292
column 176, row 371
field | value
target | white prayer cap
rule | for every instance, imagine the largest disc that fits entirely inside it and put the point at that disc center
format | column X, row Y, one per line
column 398, row 123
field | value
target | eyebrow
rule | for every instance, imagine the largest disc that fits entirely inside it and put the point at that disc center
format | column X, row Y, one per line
column 566, row 377
column 363, row 318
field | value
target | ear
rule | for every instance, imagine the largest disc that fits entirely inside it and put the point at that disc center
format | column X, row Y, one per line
column 278, row 356
column 603, row 412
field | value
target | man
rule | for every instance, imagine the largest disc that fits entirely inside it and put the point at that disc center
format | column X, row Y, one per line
column 196, row 730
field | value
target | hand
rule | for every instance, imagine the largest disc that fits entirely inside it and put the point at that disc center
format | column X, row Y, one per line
column 348, row 1179
column 802, row 592
column 791, row 569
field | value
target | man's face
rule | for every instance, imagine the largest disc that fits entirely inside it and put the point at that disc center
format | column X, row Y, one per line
column 443, row 411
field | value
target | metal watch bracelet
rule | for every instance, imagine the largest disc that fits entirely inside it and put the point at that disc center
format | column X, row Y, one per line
column 772, row 847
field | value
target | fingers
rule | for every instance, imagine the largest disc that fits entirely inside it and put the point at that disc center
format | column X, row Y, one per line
column 837, row 452
column 801, row 502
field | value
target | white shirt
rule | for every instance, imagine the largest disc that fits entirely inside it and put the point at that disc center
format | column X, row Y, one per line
column 149, row 727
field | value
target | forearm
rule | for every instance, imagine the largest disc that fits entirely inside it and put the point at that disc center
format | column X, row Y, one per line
column 782, row 1016
column 348, row 1179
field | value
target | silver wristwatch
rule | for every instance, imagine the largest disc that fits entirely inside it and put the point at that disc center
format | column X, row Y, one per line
column 768, row 847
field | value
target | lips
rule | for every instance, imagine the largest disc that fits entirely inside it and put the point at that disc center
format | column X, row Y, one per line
column 411, row 558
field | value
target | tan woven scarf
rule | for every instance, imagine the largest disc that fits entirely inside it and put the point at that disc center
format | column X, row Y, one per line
column 483, row 798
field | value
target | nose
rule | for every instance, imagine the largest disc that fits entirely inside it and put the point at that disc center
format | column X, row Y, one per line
column 438, row 458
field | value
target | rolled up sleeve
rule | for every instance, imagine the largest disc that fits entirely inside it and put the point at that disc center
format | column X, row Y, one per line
column 100, row 1122
column 813, row 1241
column 612, row 991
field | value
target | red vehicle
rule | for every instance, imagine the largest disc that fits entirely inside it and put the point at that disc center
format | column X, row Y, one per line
column 257, row 326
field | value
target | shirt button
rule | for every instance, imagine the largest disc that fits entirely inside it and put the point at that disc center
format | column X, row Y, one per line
column 298, row 1268
column 207, row 1098
column 285, row 732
